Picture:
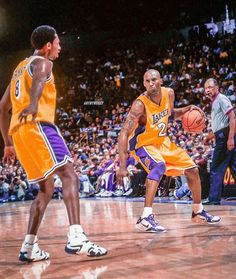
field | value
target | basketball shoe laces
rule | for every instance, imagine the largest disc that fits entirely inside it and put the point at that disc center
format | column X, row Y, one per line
column 80, row 242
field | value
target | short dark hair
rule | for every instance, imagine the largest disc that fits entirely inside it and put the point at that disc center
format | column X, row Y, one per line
column 42, row 35
column 16, row 179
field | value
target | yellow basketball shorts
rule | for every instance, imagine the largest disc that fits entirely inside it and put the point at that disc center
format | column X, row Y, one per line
column 41, row 149
column 176, row 160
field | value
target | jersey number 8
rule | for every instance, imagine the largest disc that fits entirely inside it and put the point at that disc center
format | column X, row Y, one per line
column 17, row 89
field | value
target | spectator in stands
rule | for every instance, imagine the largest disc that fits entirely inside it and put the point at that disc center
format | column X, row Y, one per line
column 18, row 189
column 4, row 190
column 192, row 61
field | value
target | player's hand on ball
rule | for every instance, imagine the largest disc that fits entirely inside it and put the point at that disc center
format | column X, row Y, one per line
column 192, row 107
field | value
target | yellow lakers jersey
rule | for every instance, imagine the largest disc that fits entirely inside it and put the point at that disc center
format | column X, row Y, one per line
column 155, row 130
column 20, row 87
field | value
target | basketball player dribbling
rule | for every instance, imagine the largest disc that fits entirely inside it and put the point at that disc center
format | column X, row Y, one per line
column 39, row 145
column 145, row 131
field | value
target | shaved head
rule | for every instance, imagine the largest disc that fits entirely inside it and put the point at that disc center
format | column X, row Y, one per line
column 152, row 82
column 152, row 72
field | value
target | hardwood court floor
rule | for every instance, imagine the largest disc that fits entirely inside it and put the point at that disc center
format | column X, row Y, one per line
column 186, row 250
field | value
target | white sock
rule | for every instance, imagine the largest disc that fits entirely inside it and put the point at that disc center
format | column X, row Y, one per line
column 146, row 212
column 75, row 229
column 77, row 233
column 197, row 207
column 30, row 238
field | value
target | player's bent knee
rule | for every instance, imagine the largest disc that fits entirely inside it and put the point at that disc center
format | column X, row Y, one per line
column 192, row 172
column 157, row 171
column 66, row 170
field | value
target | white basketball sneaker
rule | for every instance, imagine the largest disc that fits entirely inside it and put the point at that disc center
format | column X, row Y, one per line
column 79, row 244
column 32, row 253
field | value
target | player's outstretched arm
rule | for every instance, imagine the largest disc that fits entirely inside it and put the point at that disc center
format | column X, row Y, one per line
column 179, row 112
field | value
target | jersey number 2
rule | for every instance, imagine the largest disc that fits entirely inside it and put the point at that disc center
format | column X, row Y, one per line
column 162, row 127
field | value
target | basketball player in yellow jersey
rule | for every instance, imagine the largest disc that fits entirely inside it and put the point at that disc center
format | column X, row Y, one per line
column 145, row 131
column 39, row 145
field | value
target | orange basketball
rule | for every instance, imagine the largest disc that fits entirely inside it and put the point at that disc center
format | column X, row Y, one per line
column 193, row 121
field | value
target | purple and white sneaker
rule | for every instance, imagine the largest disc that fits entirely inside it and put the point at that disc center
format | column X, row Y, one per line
column 203, row 217
column 148, row 224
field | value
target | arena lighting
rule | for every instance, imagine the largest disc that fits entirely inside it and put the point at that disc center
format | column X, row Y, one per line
column 212, row 27
column 228, row 24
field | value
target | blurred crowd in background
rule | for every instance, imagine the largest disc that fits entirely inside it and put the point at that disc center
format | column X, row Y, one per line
column 95, row 93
